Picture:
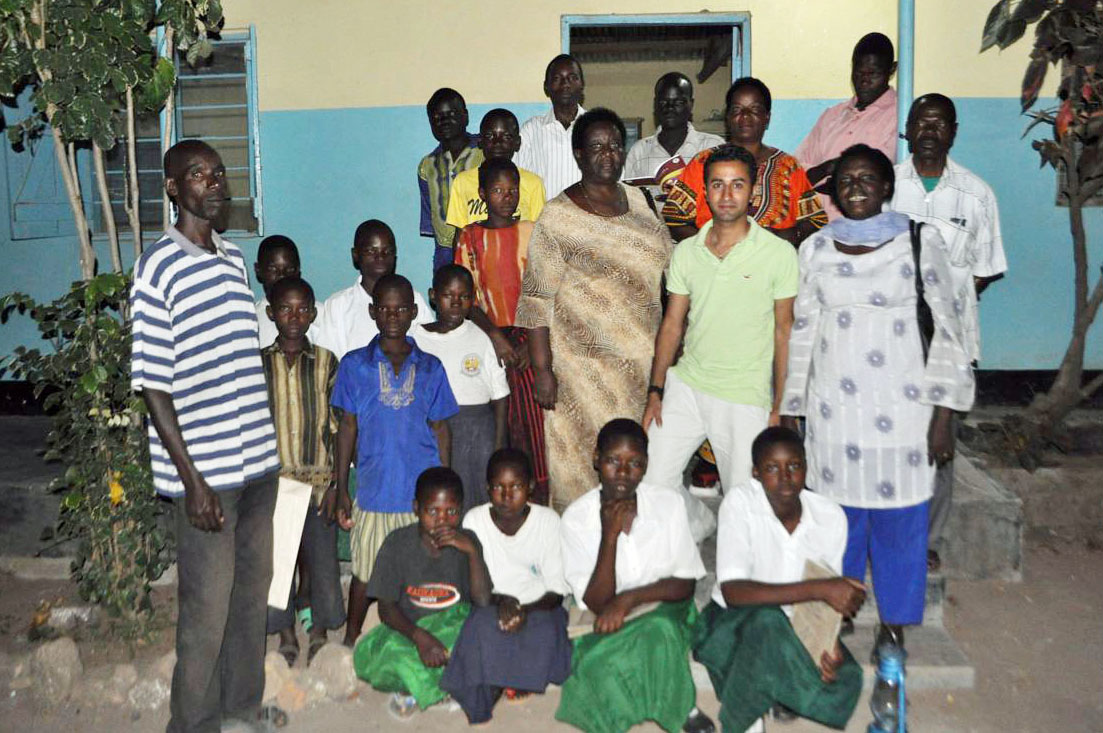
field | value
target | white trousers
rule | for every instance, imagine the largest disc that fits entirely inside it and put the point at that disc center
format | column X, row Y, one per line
column 689, row 417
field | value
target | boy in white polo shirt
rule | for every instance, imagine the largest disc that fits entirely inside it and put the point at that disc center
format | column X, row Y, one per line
column 769, row 528
column 736, row 283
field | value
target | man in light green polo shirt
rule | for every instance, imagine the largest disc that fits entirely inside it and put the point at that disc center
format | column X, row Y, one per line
column 736, row 281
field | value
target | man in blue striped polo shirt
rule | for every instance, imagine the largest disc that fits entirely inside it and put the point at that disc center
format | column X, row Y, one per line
column 196, row 362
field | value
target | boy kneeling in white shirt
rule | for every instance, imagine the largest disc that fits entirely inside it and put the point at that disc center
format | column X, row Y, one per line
column 768, row 528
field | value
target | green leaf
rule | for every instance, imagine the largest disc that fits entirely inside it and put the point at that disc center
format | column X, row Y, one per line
column 72, row 500
column 89, row 383
column 997, row 19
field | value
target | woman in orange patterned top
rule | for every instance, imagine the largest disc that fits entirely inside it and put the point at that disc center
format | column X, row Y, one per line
column 495, row 252
column 783, row 200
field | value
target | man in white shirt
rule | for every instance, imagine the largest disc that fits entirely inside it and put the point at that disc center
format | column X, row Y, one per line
column 932, row 188
column 676, row 136
column 769, row 529
column 546, row 147
column 345, row 323
column 277, row 258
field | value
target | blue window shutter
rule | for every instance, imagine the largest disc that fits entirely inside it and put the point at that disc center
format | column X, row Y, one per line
column 39, row 204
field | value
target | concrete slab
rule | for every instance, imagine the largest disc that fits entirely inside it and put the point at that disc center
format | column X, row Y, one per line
column 984, row 533
column 36, row 568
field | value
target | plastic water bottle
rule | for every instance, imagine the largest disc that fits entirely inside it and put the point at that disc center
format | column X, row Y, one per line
column 887, row 703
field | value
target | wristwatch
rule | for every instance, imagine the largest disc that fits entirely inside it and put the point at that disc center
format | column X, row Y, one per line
column 655, row 389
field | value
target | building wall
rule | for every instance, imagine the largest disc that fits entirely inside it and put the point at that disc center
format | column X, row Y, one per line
column 342, row 88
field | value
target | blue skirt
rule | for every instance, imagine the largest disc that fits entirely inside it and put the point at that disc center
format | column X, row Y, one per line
column 486, row 659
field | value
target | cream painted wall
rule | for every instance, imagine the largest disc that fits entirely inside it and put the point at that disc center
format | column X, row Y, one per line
column 368, row 53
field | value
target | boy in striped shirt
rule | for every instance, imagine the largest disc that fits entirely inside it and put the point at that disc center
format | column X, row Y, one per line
column 196, row 362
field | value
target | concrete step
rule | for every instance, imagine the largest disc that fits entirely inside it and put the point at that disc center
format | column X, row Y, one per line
column 935, row 661
column 932, row 609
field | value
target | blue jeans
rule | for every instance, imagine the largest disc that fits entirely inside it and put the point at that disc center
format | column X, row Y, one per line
column 222, row 597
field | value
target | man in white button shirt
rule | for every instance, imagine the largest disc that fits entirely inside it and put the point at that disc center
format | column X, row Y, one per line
column 769, row 528
column 932, row 188
column 676, row 136
column 345, row 323
column 546, row 148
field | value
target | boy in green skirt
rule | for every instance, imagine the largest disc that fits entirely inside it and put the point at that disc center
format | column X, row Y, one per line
column 768, row 529
column 629, row 558
column 426, row 578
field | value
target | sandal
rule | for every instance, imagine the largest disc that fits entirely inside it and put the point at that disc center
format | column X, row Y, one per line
column 271, row 717
column 316, row 643
column 290, row 651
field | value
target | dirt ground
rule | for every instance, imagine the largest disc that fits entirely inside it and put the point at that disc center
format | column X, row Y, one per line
column 1036, row 646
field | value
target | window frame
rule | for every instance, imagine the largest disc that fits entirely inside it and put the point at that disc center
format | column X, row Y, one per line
column 247, row 37
column 740, row 23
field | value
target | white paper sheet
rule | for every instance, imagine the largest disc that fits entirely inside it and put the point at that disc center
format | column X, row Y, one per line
column 292, row 504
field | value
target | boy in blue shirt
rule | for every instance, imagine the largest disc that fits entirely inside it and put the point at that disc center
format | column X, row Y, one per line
column 394, row 400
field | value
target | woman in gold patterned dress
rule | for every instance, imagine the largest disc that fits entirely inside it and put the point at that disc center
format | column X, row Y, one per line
column 590, row 299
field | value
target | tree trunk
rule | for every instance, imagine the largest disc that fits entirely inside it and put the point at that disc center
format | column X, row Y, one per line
column 133, row 193
column 1048, row 410
column 105, row 206
column 67, row 163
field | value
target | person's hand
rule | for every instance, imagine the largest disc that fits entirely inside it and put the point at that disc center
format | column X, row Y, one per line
column 790, row 421
column 546, row 388
column 432, row 652
column 617, row 516
column 503, row 349
column 203, row 508
column 830, row 663
column 940, row 438
column 773, row 420
column 511, row 615
column 845, row 595
column 612, row 618
column 452, row 537
column 653, row 412
column 337, row 506
column 816, row 174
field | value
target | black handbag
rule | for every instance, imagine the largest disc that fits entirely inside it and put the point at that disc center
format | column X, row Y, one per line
column 922, row 311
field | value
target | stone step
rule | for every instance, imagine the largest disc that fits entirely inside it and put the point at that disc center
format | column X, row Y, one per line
column 935, row 661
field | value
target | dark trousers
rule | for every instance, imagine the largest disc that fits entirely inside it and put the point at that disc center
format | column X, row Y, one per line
column 327, row 605
column 223, row 592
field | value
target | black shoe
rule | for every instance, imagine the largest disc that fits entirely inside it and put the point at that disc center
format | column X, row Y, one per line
column 886, row 634
column 781, row 714
column 698, row 722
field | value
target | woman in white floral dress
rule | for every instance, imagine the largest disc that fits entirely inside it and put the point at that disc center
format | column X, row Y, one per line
column 878, row 416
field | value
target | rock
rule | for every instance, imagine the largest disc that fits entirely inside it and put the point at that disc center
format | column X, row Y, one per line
column 123, row 679
column 37, row 568
column 276, row 673
column 292, row 696
column 148, row 694
column 55, row 666
column 68, row 618
column 21, row 674
column 163, row 667
column 314, row 686
column 332, row 666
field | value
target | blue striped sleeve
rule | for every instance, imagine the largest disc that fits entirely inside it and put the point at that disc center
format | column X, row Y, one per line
column 151, row 341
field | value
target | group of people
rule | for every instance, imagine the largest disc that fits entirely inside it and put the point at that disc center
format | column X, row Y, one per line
column 459, row 440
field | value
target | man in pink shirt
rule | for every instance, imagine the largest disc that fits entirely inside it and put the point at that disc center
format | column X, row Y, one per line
column 868, row 117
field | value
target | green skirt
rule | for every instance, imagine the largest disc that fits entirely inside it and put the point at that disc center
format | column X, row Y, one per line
column 755, row 659
column 389, row 662
column 637, row 674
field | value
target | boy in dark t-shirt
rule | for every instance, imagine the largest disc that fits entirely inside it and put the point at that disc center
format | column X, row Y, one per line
column 426, row 578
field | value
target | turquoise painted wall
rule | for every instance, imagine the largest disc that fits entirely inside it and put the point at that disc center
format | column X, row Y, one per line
column 325, row 171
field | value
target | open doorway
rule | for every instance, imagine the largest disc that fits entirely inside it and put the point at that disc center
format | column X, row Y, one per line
column 624, row 55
